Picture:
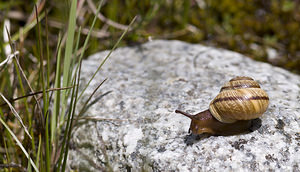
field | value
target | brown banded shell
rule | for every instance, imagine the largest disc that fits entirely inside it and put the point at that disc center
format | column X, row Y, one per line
column 239, row 99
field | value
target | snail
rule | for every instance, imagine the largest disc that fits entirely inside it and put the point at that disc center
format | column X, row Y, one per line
column 234, row 110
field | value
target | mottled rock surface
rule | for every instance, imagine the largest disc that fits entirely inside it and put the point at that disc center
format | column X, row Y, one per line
column 135, row 127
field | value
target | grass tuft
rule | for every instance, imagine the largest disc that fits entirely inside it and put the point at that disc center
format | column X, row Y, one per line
column 46, row 117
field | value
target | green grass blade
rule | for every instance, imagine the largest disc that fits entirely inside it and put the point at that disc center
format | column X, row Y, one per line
column 72, row 114
column 41, row 54
column 87, row 101
column 8, row 143
column 89, row 33
column 64, row 142
column 114, row 47
column 47, row 51
column 56, row 105
column 19, row 144
column 76, row 48
column 45, row 95
column 29, row 169
column 47, row 146
column 39, row 152
column 68, row 53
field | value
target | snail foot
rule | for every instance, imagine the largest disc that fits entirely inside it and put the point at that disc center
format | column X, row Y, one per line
column 255, row 124
column 193, row 138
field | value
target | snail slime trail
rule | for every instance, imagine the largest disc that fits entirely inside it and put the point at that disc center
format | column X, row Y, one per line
column 234, row 110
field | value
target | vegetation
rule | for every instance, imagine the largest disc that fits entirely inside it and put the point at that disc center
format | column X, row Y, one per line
column 36, row 121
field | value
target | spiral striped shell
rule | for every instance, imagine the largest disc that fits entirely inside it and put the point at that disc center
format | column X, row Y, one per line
column 239, row 99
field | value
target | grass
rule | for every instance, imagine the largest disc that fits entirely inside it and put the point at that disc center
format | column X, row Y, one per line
column 42, row 150
column 38, row 58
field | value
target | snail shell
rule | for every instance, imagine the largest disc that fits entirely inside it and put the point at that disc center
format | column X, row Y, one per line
column 239, row 99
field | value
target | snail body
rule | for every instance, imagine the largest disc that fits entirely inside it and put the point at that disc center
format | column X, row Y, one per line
column 233, row 110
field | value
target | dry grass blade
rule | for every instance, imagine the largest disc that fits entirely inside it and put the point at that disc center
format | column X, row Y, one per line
column 35, row 93
column 91, row 103
column 7, row 60
column 19, row 144
column 86, row 102
column 40, row 5
column 24, row 76
column 37, row 102
column 107, row 56
column 9, row 57
column 16, row 115
column 102, row 18
column 94, row 33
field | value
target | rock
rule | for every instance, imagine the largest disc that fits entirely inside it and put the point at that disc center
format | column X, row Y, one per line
column 134, row 127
